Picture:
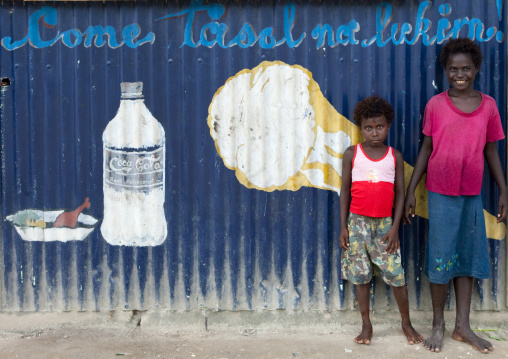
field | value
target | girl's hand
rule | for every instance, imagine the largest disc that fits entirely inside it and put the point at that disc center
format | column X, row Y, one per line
column 409, row 207
column 392, row 237
column 502, row 205
column 344, row 239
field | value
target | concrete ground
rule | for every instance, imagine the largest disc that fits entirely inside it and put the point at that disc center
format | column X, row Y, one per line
column 268, row 334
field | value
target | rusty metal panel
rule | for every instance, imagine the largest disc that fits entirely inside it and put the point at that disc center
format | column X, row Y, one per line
column 237, row 134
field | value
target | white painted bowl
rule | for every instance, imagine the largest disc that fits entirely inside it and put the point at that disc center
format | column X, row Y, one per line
column 62, row 234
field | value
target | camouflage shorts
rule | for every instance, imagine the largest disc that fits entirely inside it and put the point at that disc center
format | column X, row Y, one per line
column 366, row 255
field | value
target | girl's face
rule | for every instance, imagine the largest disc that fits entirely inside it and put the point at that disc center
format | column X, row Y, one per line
column 375, row 130
column 461, row 72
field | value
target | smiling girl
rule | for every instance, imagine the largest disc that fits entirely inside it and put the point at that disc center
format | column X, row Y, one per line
column 460, row 127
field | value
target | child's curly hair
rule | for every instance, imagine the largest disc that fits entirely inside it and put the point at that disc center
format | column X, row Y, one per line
column 370, row 107
column 461, row 46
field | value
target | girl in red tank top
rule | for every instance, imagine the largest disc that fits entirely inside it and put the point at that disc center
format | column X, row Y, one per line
column 371, row 203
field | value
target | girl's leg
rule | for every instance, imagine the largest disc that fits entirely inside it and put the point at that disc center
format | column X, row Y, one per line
column 363, row 296
column 438, row 293
column 462, row 332
column 400, row 294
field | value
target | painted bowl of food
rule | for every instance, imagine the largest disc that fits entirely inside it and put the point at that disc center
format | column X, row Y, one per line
column 37, row 225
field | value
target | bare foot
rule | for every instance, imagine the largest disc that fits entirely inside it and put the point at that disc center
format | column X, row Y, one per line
column 366, row 334
column 435, row 341
column 412, row 335
column 467, row 335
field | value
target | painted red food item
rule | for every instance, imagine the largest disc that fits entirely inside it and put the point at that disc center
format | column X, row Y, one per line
column 69, row 219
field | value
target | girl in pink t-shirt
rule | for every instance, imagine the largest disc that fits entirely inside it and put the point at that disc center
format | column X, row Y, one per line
column 460, row 127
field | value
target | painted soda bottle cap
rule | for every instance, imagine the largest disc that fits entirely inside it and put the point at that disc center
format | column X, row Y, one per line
column 132, row 90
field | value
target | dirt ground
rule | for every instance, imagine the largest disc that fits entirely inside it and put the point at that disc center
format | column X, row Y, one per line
column 38, row 336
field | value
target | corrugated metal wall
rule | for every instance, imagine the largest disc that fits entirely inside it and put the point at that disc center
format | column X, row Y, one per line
column 234, row 241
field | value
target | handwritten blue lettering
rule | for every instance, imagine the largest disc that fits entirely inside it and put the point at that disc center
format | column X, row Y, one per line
column 422, row 25
column 96, row 34
column 476, row 29
column 67, row 38
column 266, row 38
column 216, row 33
column 215, row 12
column 246, row 37
column 48, row 17
column 345, row 34
column 384, row 17
column 289, row 23
column 73, row 37
column 219, row 30
column 319, row 33
column 131, row 32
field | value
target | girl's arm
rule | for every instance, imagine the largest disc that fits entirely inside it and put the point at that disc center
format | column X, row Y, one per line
column 392, row 236
column 345, row 196
column 398, row 205
column 492, row 157
column 419, row 170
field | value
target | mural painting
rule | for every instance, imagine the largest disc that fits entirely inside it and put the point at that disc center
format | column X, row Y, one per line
column 186, row 155
column 271, row 125
column 275, row 129
column 63, row 226
column 134, row 148
column 134, row 186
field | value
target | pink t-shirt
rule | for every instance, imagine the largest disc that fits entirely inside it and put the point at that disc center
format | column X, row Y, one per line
column 456, row 164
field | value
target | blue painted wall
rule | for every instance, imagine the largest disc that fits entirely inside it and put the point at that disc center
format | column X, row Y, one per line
column 228, row 247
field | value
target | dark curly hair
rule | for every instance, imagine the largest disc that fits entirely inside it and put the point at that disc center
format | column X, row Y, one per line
column 370, row 107
column 461, row 46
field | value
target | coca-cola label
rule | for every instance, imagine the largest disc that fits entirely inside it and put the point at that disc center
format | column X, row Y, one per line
column 135, row 171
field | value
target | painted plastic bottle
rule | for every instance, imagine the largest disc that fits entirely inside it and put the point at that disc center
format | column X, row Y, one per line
column 134, row 178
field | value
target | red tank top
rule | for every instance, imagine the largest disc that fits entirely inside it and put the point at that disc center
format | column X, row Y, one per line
column 372, row 189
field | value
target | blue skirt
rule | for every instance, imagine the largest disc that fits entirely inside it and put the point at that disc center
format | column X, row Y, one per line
column 457, row 245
